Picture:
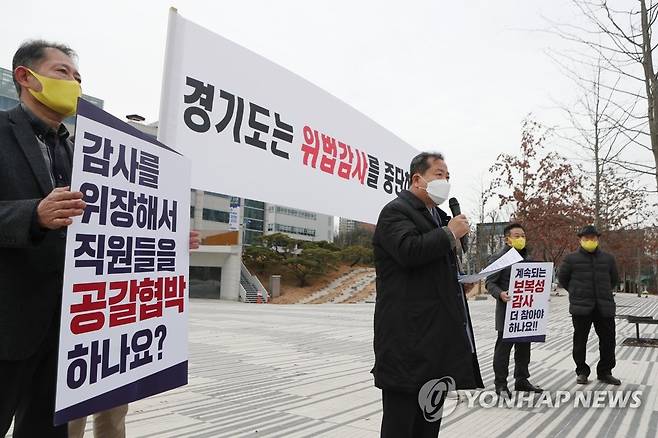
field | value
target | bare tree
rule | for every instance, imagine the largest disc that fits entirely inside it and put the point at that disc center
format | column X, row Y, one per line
column 596, row 126
column 618, row 40
column 486, row 235
column 474, row 255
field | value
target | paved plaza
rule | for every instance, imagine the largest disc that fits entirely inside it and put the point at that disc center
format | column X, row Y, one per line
column 303, row 371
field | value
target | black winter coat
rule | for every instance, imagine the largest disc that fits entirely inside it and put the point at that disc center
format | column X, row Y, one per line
column 589, row 278
column 420, row 314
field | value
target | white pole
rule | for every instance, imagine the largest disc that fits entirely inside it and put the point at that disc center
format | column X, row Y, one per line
column 165, row 125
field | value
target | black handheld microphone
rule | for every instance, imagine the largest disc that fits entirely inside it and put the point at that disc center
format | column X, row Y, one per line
column 456, row 211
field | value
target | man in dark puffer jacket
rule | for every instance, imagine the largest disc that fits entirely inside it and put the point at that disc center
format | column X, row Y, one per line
column 589, row 275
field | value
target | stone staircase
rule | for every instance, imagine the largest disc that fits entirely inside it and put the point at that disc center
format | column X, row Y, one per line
column 343, row 288
column 359, row 284
column 251, row 289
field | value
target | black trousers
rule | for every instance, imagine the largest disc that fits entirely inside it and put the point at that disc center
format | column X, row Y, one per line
column 605, row 330
column 403, row 417
column 27, row 391
column 502, row 352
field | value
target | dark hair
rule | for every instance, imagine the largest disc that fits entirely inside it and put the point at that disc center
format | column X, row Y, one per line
column 32, row 52
column 420, row 162
column 508, row 229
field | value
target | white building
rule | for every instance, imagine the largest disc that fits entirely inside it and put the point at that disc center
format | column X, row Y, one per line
column 216, row 271
column 299, row 224
column 210, row 215
column 347, row 225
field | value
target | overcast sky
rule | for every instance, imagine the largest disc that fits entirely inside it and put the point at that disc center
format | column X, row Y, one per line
column 453, row 76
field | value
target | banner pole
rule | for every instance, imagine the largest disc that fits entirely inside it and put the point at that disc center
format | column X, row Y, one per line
column 164, row 124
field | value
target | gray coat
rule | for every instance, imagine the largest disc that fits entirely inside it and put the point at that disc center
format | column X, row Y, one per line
column 31, row 269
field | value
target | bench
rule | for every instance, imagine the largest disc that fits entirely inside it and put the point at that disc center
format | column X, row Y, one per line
column 637, row 310
column 637, row 320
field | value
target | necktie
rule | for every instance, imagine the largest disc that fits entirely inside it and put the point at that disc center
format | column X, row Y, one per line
column 435, row 216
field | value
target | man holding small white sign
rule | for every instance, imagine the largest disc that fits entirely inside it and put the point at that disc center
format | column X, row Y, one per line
column 498, row 285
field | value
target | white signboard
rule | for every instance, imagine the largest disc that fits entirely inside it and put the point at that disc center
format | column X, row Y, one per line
column 256, row 130
column 123, row 332
column 526, row 318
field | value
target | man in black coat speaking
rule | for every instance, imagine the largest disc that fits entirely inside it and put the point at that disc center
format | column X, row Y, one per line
column 423, row 338
column 589, row 275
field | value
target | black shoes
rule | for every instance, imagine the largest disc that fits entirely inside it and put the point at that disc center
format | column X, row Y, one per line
column 503, row 389
column 526, row 386
column 609, row 379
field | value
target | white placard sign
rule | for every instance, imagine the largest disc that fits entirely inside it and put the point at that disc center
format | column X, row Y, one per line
column 123, row 332
column 526, row 318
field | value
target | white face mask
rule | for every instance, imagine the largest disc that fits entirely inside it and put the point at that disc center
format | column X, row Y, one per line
column 438, row 190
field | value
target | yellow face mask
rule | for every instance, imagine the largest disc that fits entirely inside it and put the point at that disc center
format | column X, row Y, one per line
column 517, row 243
column 59, row 95
column 589, row 245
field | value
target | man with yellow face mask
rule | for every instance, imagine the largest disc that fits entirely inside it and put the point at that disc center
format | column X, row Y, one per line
column 36, row 206
column 497, row 285
column 589, row 275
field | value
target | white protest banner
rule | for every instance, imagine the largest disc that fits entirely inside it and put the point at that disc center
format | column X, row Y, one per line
column 234, row 214
column 123, row 332
column 526, row 317
column 256, row 130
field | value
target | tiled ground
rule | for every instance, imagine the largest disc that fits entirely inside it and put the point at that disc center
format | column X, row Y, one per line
column 303, row 371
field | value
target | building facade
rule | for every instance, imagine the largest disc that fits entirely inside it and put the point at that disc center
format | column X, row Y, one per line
column 299, row 224
column 210, row 213
column 347, row 225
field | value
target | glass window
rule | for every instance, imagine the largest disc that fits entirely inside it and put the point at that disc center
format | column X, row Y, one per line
column 7, row 103
column 295, row 230
column 250, row 236
column 255, row 204
column 205, row 282
column 253, row 213
column 215, row 215
column 253, row 224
